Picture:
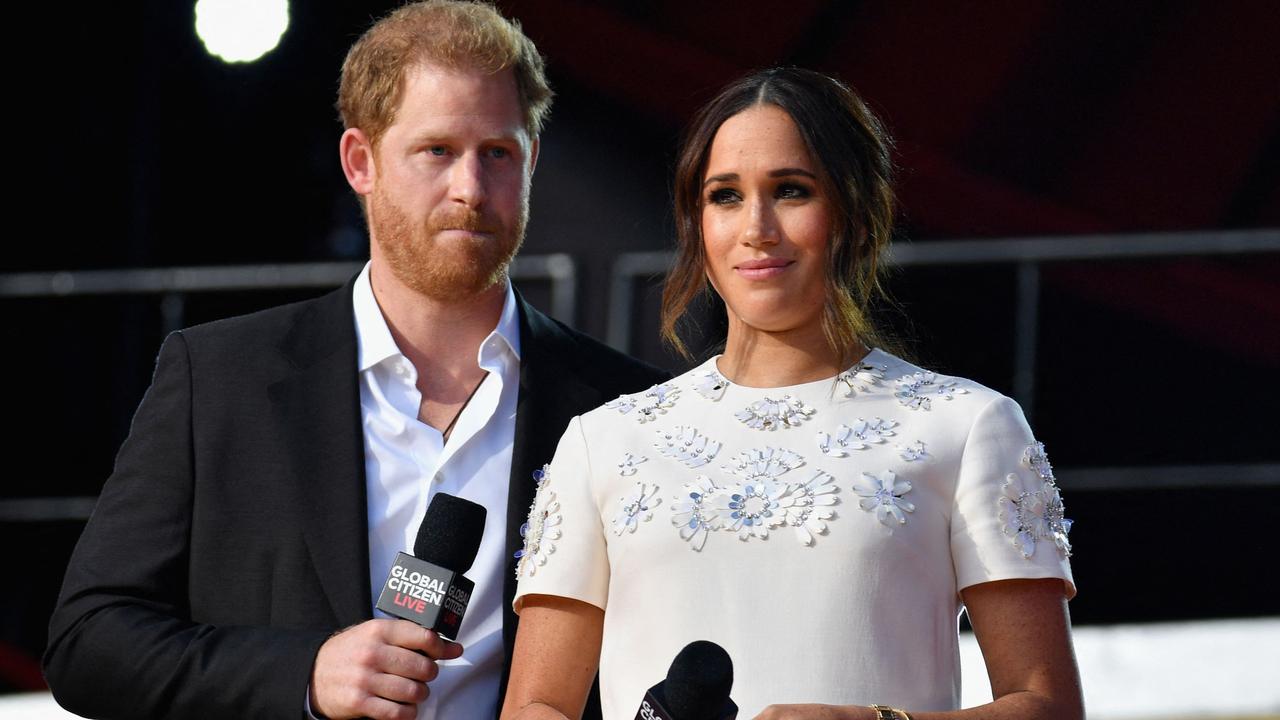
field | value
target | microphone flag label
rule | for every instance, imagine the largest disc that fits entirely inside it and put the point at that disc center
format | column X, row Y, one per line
column 426, row 594
column 651, row 708
column 654, row 707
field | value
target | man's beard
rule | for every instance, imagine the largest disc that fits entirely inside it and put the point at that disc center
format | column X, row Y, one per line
column 452, row 270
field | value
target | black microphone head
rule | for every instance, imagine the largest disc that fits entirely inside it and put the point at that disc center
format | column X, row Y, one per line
column 450, row 533
column 699, row 681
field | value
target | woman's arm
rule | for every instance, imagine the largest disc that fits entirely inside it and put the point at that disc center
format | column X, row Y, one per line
column 1023, row 629
column 555, row 659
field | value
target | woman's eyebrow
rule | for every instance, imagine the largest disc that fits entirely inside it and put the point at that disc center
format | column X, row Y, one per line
column 723, row 177
column 780, row 172
column 784, row 172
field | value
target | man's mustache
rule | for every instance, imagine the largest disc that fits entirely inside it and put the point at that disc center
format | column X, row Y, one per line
column 467, row 220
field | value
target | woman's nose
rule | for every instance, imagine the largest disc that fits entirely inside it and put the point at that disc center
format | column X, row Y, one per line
column 762, row 225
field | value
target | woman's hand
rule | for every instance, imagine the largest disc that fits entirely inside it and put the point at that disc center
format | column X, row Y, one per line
column 813, row 711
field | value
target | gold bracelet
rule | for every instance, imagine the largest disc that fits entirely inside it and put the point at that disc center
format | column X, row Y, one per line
column 884, row 712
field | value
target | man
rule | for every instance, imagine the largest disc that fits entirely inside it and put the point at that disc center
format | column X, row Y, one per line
column 280, row 460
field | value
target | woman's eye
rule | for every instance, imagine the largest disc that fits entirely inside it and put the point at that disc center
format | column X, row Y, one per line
column 792, row 192
column 723, row 196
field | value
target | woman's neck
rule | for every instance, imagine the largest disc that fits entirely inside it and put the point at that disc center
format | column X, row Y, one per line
column 756, row 358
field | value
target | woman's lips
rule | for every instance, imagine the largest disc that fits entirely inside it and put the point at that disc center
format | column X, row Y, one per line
column 762, row 269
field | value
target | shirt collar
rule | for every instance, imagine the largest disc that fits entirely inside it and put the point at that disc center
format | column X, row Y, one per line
column 508, row 330
column 375, row 344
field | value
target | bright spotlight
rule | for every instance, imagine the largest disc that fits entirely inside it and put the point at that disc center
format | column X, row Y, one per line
column 241, row 31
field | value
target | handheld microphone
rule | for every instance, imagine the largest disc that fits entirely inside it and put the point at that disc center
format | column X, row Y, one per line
column 697, row 687
column 428, row 587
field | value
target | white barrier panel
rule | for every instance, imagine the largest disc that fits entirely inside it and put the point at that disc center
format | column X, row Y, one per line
column 1209, row 669
column 1218, row 668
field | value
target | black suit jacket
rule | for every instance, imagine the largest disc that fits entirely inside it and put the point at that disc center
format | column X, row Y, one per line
column 231, row 540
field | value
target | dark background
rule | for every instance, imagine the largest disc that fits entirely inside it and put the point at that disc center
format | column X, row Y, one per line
column 130, row 146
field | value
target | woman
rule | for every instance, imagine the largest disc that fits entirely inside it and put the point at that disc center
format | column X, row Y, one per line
column 818, row 507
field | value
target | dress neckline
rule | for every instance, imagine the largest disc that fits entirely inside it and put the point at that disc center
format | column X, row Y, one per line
column 875, row 357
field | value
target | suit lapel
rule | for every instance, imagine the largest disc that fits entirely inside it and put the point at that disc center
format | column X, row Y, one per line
column 318, row 413
column 550, row 395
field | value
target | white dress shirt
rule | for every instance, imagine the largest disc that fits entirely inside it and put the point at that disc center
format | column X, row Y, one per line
column 408, row 461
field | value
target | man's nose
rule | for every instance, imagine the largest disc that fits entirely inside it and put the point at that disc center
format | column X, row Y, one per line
column 466, row 181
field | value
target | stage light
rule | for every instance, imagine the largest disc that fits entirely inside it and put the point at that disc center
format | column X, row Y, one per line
column 241, row 31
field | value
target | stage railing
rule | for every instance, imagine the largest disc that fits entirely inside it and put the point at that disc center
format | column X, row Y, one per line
column 1027, row 254
column 173, row 284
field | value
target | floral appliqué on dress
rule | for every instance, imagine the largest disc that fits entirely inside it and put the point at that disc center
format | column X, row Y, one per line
column 917, row 390
column 861, row 377
column 882, row 494
column 1028, row 516
column 807, row 506
column 647, row 405
column 770, row 414
column 541, row 529
column 873, row 432
column 694, row 513
column 627, row 467
column 636, row 507
column 687, row 446
column 711, row 384
column 913, row 452
column 753, row 504
column 836, row 445
column 861, row 436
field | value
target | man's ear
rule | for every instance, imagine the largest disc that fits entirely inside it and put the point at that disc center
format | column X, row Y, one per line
column 356, row 153
column 533, row 156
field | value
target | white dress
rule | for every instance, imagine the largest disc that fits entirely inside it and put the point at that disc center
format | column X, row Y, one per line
column 820, row 532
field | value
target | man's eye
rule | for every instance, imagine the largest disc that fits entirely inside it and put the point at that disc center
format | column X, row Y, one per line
column 723, row 196
column 437, row 150
column 499, row 152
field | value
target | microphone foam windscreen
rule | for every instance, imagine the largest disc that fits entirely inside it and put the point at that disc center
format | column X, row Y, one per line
column 450, row 533
column 699, row 681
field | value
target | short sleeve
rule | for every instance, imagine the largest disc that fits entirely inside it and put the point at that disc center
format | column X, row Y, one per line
column 1007, row 522
column 565, row 552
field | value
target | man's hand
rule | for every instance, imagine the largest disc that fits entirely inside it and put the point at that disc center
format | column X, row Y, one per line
column 378, row 669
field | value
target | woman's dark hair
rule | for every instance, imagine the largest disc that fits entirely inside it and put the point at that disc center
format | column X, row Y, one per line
column 852, row 151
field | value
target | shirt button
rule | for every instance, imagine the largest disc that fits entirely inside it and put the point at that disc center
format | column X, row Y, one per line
column 437, row 478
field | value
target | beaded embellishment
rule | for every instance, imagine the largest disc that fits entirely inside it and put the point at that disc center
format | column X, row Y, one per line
column 770, row 414
column 627, row 467
column 753, row 504
column 861, row 377
column 872, row 432
column 836, row 445
column 711, row 384
column 913, row 452
column 694, row 513
column 882, row 494
column 542, row 528
column 1029, row 516
column 917, row 390
column 636, row 507
column 687, row 446
column 647, row 405
column 807, row 506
